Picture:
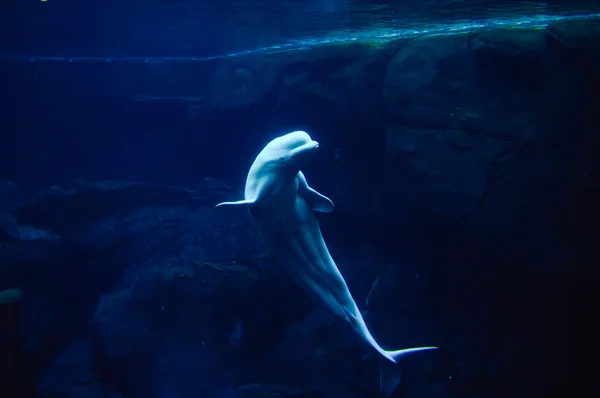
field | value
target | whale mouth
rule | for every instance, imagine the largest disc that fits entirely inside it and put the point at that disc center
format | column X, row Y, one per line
column 304, row 150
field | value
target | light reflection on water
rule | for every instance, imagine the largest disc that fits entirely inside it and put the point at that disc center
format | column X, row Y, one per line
column 195, row 31
column 244, row 24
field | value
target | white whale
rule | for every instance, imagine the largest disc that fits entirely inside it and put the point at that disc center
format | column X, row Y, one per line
column 283, row 207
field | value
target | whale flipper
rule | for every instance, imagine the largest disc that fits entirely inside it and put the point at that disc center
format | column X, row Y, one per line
column 317, row 201
column 244, row 203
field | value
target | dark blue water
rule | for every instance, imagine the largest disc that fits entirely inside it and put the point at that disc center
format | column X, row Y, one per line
column 464, row 171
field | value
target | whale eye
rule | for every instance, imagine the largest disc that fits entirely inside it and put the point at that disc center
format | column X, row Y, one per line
column 281, row 159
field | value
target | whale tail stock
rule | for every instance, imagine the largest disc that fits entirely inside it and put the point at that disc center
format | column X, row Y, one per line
column 390, row 371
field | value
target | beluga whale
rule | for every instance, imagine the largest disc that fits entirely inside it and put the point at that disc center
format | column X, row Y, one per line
column 282, row 206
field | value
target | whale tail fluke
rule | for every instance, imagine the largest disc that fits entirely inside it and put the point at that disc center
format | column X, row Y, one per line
column 390, row 372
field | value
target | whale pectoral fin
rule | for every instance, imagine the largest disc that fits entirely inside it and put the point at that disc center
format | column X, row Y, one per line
column 317, row 201
column 241, row 203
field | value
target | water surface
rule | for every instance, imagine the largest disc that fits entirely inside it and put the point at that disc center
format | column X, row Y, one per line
column 208, row 28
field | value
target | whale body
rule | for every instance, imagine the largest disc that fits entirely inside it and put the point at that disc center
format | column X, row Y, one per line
column 282, row 206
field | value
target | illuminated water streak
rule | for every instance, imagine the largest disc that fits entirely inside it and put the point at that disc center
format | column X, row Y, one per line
column 381, row 35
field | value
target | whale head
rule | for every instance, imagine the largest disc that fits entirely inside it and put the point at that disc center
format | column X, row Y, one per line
column 279, row 162
column 275, row 166
column 287, row 152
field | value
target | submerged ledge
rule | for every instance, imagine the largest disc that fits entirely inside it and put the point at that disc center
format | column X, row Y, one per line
column 377, row 37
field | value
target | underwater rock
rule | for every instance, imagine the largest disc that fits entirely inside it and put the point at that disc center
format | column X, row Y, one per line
column 319, row 355
column 101, row 218
column 239, row 84
column 180, row 317
column 576, row 34
column 425, row 80
column 11, row 232
column 102, row 215
column 445, row 170
column 22, row 248
column 344, row 78
column 189, row 276
column 572, row 138
column 522, row 133
column 64, row 207
column 168, row 255
column 574, row 81
column 70, row 375
column 486, row 83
